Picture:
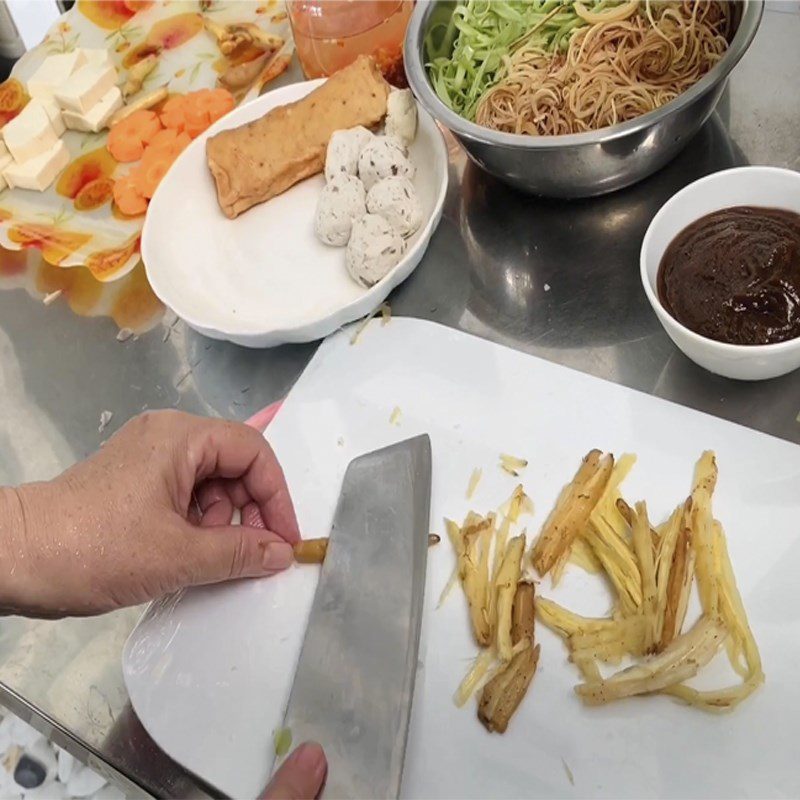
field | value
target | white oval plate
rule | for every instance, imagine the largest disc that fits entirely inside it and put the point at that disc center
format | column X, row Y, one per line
column 263, row 279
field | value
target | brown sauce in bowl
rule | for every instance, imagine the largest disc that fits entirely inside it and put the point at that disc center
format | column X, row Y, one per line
column 734, row 276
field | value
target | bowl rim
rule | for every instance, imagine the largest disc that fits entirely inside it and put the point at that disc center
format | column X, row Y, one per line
column 420, row 84
column 723, row 348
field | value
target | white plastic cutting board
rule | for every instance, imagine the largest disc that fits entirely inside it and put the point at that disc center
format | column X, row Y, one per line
column 209, row 671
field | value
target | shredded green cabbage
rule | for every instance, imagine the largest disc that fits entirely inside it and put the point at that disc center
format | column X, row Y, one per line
column 465, row 55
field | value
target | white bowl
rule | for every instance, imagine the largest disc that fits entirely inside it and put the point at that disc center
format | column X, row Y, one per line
column 769, row 187
column 264, row 279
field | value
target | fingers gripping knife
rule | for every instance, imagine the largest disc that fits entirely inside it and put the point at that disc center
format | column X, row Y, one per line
column 354, row 682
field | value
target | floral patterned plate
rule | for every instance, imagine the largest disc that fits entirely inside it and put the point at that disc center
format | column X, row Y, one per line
column 75, row 221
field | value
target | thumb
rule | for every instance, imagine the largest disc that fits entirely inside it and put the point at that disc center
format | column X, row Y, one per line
column 301, row 776
column 233, row 551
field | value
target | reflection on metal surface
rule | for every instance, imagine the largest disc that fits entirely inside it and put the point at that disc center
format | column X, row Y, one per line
column 130, row 301
column 583, row 251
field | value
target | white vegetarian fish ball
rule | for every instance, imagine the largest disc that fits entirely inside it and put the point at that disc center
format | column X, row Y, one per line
column 395, row 199
column 343, row 150
column 401, row 115
column 375, row 247
column 383, row 157
column 340, row 202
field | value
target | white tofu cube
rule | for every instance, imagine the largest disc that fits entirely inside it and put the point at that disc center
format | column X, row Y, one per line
column 96, row 119
column 53, row 112
column 86, row 88
column 30, row 133
column 5, row 161
column 53, row 71
column 97, row 57
column 38, row 173
column 3, row 151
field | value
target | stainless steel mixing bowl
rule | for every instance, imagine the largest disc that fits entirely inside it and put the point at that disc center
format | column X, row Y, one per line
column 581, row 164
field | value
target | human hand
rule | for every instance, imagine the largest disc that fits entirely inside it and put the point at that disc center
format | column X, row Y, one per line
column 301, row 776
column 147, row 514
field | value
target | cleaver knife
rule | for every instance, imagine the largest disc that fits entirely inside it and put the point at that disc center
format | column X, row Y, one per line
column 354, row 682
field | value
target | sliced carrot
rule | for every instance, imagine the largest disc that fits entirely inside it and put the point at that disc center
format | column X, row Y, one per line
column 127, row 139
column 221, row 102
column 152, row 171
column 214, row 103
column 197, row 120
column 127, row 197
column 163, row 139
column 173, row 112
column 183, row 141
column 126, row 148
column 158, row 157
column 194, row 112
column 168, row 141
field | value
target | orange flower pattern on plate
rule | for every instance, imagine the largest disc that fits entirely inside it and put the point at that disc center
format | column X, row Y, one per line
column 105, row 263
column 84, row 170
column 166, row 34
column 94, row 194
column 55, row 244
column 13, row 98
column 111, row 14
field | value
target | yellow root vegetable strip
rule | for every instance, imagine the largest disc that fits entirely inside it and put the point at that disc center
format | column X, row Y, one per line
column 663, row 568
column 500, row 539
column 474, row 480
column 507, row 579
column 474, row 575
column 618, row 562
column 627, row 514
column 680, row 661
column 569, row 517
column 703, row 544
column 610, row 644
column 313, row 551
column 454, row 534
column 643, row 546
column 583, row 556
column 518, row 504
column 511, row 464
column 567, row 623
column 735, row 619
column 472, row 680
column 679, row 579
column 504, row 692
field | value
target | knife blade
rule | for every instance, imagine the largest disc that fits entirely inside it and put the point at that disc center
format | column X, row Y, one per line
column 354, row 681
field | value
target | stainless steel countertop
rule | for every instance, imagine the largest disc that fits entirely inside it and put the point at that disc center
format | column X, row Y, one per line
column 556, row 279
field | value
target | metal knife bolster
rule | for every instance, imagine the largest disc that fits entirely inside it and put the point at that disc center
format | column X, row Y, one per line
column 354, row 682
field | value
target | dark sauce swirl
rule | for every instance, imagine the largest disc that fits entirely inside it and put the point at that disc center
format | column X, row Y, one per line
column 734, row 276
